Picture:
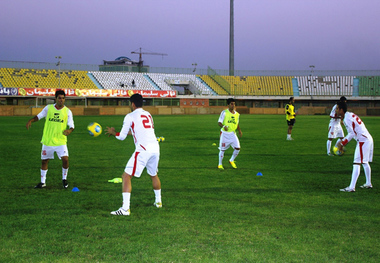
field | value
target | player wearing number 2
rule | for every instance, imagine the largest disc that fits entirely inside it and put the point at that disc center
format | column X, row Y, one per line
column 364, row 147
column 139, row 123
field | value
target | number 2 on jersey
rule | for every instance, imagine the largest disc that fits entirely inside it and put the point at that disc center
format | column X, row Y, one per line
column 147, row 121
column 358, row 120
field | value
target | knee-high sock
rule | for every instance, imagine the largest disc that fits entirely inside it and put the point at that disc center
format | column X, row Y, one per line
column 126, row 200
column 234, row 154
column 355, row 175
column 221, row 156
column 367, row 172
column 64, row 173
column 328, row 146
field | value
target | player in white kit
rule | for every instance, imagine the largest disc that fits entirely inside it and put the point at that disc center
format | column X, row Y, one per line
column 364, row 147
column 139, row 124
column 335, row 129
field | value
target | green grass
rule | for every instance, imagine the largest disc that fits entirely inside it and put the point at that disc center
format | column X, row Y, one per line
column 293, row 213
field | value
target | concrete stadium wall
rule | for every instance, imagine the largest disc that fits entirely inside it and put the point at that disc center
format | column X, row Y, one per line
column 178, row 110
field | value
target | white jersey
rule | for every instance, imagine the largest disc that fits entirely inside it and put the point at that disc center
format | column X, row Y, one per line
column 355, row 129
column 140, row 123
column 334, row 118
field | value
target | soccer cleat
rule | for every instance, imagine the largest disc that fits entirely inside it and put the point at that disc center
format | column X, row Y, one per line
column 366, row 186
column 220, row 167
column 40, row 185
column 121, row 212
column 330, row 154
column 158, row 204
column 347, row 189
column 65, row 184
column 233, row 164
column 290, row 139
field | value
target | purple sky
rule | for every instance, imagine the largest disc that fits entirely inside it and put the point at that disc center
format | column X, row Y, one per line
column 269, row 34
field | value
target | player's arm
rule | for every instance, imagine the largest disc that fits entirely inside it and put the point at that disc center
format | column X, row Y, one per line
column 349, row 136
column 125, row 130
column 239, row 130
column 221, row 120
column 70, row 123
column 29, row 123
column 38, row 117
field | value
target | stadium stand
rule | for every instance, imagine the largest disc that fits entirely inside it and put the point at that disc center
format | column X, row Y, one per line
column 260, row 85
column 123, row 80
column 32, row 78
column 325, row 86
column 369, row 86
column 214, row 85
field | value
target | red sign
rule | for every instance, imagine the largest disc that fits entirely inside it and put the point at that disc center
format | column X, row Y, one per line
column 94, row 93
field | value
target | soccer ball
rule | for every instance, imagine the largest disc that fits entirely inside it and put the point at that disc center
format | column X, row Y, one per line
column 160, row 139
column 337, row 152
column 94, row 129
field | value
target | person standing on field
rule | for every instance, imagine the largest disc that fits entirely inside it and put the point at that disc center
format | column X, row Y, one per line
column 290, row 117
column 364, row 146
column 139, row 124
column 335, row 129
column 229, row 123
column 54, row 138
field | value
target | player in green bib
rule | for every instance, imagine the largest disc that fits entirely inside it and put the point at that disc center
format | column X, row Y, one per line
column 54, row 137
column 229, row 123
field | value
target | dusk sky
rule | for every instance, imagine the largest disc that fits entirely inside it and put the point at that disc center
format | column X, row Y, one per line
column 269, row 34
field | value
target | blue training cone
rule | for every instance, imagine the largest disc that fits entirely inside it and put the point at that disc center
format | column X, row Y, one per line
column 75, row 189
column 259, row 174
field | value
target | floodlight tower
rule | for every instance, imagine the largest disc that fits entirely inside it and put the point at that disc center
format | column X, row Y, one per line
column 232, row 56
column 59, row 70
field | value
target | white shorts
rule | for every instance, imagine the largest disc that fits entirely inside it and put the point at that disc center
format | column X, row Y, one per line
column 228, row 139
column 47, row 152
column 364, row 151
column 335, row 131
column 140, row 160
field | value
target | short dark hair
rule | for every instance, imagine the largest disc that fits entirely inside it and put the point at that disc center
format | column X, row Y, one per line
column 291, row 98
column 137, row 99
column 342, row 105
column 230, row 100
column 343, row 98
column 60, row 92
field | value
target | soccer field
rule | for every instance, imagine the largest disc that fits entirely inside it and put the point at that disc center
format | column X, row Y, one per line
column 293, row 213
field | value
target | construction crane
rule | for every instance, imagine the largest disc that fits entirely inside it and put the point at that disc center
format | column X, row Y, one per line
column 146, row 53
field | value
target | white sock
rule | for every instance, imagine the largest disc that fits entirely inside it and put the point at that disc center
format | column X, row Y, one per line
column 234, row 154
column 43, row 176
column 157, row 193
column 355, row 176
column 126, row 201
column 328, row 146
column 367, row 172
column 221, row 156
column 64, row 173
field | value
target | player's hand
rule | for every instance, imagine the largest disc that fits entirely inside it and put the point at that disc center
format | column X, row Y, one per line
column 340, row 146
column 67, row 132
column 225, row 128
column 240, row 133
column 28, row 124
column 110, row 131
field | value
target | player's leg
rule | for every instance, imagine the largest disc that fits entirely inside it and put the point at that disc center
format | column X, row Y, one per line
column 63, row 154
column 236, row 146
column 46, row 154
column 124, row 210
column 367, row 150
column 290, row 128
column 358, row 160
column 328, row 146
column 222, row 148
column 152, row 170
